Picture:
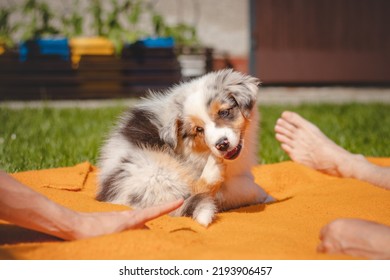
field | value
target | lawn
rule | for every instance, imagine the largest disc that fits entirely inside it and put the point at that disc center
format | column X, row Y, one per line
column 50, row 137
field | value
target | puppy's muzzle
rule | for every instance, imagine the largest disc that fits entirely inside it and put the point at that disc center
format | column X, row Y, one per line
column 222, row 144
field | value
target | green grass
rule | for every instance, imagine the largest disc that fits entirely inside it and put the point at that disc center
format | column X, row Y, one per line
column 48, row 137
column 359, row 128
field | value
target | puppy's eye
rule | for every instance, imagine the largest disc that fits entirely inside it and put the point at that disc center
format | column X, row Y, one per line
column 234, row 102
column 199, row 129
column 224, row 113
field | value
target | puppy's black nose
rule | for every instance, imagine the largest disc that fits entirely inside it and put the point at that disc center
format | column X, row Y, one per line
column 222, row 144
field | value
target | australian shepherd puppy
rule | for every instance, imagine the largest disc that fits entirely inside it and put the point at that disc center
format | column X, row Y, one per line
column 196, row 141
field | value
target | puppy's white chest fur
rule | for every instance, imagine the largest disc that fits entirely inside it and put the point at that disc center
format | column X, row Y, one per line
column 196, row 141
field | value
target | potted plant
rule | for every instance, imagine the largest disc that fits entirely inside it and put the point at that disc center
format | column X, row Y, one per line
column 150, row 61
column 195, row 60
column 40, row 36
column 109, row 33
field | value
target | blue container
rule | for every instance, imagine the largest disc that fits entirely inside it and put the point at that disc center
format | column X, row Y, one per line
column 45, row 46
column 158, row 42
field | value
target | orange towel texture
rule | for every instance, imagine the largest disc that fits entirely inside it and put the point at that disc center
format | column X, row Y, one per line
column 286, row 229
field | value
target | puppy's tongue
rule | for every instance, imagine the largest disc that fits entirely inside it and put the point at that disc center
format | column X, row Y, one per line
column 233, row 153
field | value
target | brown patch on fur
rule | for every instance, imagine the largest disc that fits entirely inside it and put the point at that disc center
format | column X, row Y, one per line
column 201, row 186
column 171, row 163
column 195, row 122
column 239, row 123
column 234, row 120
column 195, row 138
column 215, row 107
column 244, row 126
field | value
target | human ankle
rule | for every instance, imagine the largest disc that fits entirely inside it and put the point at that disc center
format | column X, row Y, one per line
column 355, row 167
column 350, row 165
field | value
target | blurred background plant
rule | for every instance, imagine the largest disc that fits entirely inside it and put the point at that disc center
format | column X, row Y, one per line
column 133, row 11
column 120, row 21
column 72, row 20
column 184, row 34
column 37, row 20
column 6, row 29
column 110, row 22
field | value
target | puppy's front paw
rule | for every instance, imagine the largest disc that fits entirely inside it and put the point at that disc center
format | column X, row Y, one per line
column 205, row 212
column 201, row 207
column 213, row 171
column 212, row 177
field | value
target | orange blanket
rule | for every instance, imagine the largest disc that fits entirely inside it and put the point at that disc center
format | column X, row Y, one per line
column 287, row 229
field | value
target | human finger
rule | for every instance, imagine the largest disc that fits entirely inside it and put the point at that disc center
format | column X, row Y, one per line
column 142, row 216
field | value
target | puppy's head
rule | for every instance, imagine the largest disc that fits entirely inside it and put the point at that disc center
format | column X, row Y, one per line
column 216, row 112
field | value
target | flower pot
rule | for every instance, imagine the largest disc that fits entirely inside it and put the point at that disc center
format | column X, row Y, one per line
column 149, row 64
column 57, row 46
column 195, row 61
column 90, row 46
column 158, row 42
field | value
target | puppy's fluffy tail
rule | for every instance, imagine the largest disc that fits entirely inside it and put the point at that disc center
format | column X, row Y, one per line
column 201, row 207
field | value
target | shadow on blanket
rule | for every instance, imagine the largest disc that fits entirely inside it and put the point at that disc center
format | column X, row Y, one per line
column 11, row 234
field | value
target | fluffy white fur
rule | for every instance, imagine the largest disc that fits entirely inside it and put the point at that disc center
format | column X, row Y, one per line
column 169, row 145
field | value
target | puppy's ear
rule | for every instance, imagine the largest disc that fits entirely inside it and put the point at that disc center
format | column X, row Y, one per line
column 169, row 132
column 245, row 94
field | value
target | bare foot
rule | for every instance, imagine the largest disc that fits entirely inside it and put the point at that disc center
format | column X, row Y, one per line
column 306, row 144
column 357, row 238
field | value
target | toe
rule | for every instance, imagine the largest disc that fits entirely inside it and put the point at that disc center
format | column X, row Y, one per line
column 288, row 149
column 285, row 125
column 294, row 119
column 282, row 130
column 282, row 138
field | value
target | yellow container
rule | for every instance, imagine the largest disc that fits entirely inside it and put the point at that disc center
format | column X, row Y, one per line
column 90, row 46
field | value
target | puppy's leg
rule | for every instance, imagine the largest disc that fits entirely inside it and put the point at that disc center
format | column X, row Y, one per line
column 240, row 191
column 211, row 178
column 201, row 207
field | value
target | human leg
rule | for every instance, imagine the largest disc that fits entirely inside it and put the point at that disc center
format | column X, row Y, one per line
column 356, row 237
column 306, row 144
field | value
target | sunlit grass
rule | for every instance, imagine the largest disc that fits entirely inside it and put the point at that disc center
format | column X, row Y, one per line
column 359, row 128
column 47, row 137
column 51, row 137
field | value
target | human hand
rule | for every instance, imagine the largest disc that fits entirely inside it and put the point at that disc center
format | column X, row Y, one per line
column 101, row 223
